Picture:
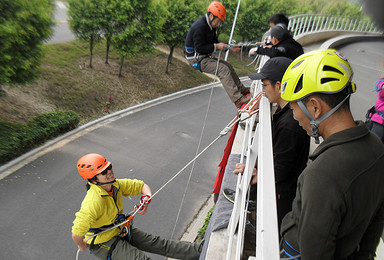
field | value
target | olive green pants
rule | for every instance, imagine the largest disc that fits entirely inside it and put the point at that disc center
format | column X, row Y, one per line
column 142, row 241
column 227, row 75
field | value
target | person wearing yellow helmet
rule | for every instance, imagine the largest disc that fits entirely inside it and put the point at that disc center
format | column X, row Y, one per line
column 202, row 41
column 102, row 209
column 338, row 211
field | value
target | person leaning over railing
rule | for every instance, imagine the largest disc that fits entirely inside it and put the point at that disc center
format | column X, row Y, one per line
column 289, row 140
column 338, row 212
column 283, row 45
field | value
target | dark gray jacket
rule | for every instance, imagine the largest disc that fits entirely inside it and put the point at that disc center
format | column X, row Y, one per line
column 202, row 37
column 339, row 204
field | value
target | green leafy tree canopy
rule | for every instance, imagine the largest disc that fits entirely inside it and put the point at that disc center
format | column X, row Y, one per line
column 24, row 25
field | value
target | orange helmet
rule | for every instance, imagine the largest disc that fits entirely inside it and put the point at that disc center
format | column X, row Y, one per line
column 217, row 9
column 91, row 164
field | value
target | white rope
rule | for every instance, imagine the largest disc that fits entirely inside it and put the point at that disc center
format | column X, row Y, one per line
column 198, row 147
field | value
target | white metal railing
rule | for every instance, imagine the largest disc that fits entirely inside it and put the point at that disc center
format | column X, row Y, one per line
column 311, row 23
column 260, row 143
column 254, row 143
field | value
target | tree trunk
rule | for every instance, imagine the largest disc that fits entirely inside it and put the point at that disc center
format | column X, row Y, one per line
column 121, row 66
column 91, row 51
column 169, row 58
column 107, row 52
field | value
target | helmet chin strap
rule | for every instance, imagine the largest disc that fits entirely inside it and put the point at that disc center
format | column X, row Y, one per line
column 105, row 183
column 211, row 21
column 102, row 183
column 315, row 123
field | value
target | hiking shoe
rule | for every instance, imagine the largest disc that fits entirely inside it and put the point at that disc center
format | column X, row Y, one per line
column 241, row 101
column 230, row 196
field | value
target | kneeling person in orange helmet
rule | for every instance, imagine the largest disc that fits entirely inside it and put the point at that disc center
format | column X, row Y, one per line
column 202, row 41
column 103, row 206
column 338, row 211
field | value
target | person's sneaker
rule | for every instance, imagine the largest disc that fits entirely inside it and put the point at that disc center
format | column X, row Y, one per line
column 230, row 194
column 241, row 101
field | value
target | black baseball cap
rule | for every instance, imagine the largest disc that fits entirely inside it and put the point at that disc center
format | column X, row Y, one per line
column 280, row 32
column 273, row 69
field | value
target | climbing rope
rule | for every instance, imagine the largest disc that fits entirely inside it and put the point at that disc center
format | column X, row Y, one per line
column 124, row 223
column 198, row 146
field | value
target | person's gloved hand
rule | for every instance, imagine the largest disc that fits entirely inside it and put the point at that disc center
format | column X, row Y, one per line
column 252, row 52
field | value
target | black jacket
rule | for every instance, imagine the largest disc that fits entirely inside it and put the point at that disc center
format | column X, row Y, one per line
column 339, row 204
column 202, row 36
column 290, row 150
column 287, row 48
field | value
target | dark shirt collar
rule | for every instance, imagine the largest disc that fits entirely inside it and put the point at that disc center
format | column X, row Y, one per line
column 345, row 136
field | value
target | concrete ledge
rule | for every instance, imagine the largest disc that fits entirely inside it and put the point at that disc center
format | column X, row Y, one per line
column 219, row 241
column 309, row 38
column 344, row 39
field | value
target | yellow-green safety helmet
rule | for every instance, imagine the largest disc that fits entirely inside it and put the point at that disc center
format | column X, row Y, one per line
column 320, row 71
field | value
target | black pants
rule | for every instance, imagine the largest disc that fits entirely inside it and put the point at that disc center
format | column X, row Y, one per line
column 283, row 202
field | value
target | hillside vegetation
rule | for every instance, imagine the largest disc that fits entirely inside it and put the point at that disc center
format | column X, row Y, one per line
column 66, row 82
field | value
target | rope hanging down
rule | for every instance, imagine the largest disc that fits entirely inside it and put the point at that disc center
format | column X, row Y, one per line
column 198, row 146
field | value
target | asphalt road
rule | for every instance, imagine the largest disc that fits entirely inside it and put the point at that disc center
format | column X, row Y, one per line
column 38, row 201
column 61, row 32
column 367, row 61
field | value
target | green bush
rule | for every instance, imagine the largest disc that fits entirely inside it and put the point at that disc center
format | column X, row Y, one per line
column 201, row 231
column 16, row 139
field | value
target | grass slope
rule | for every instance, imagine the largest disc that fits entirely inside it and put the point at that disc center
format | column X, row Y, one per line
column 65, row 81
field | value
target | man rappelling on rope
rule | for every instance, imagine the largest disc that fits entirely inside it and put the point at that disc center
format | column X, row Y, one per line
column 99, row 222
column 202, row 41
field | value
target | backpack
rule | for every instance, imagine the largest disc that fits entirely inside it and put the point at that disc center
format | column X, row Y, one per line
column 368, row 117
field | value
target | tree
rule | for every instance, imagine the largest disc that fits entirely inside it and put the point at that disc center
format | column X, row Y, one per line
column 85, row 21
column 109, row 22
column 24, row 25
column 252, row 21
column 141, row 23
column 179, row 16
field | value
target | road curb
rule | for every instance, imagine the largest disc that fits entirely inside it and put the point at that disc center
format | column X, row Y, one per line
column 24, row 159
column 19, row 162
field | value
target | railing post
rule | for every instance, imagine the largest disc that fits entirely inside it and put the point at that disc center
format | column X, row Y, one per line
column 354, row 25
column 294, row 28
column 346, row 24
column 334, row 23
column 310, row 27
column 318, row 22
column 325, row 24
column 267, row 238
column 304, row 28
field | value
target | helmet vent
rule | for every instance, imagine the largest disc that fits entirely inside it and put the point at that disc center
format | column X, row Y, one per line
column 299, row 85
column 326, row 80
column 98, row 167
column 329, row 68
column 297, row 64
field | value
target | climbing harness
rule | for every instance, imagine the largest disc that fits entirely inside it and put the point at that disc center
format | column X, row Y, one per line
column 123, row 221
